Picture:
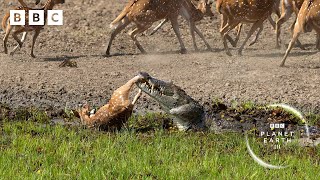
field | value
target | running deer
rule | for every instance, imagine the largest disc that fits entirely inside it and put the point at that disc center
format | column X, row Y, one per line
column 234, row 12
column 307, row 19
column 200, row 10
column 116, row 112
column 287, row 8
column 26, row 28
column 275, row 10
column 145, row 12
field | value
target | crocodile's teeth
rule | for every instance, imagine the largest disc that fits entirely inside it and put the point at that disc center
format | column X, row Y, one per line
column 152, row 87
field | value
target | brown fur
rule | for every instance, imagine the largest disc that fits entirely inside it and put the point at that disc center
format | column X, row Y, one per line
column 116, row 112
column 234, row 12
column 7, row 15
column 198, row 11
column 287, row 8
column 145, row 12
column 26, row 28
column 275, row 10
column 307, row 19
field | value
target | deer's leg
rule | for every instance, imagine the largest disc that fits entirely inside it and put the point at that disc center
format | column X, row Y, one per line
column 316, row 27
column 134, row 33
column 35, row 36
column 159, row 26
column 252, row 30
column 136, row 97
column 271, row 21
column 22, row 3
column 299, row 44
column 24, row 35
column 285, row 15
column 235, row 42
column 318, row 41
column 15, row 36
column 203, row 38
column 5, row 39
column 175, row 26
column 229, row 25
column 257, row 36
column 223, row 24
column 192, row 28
column 115, row 32
column 295, row 36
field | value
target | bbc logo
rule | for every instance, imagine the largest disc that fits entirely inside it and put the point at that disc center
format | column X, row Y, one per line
column 36, row 17
column 277, row 126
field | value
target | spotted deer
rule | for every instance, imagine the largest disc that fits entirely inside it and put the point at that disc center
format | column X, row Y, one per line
column 275, row 10
column 143, row 13
column 26, row 28
column 200, row 9
column 287, row 8
column 307, row 19
column 234, row 12
column 116, row 112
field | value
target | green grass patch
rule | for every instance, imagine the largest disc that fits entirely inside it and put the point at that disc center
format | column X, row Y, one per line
column 32, row 150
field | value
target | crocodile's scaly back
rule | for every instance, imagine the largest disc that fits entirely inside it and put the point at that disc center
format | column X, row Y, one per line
column 187, row 113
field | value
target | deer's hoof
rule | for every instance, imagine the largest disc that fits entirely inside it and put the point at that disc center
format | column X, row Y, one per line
column 144, row 52
column 302, row 48
column 183, row 51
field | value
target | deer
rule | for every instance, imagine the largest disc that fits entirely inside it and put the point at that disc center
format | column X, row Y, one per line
column 116, row 112
column 307, row 19
column 234, row 12
column 26, row 28
column 143, row 13
column 275, row 10
column 287, row 8
column 202, row 9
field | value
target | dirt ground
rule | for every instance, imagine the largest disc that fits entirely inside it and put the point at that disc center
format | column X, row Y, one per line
column 204, row 75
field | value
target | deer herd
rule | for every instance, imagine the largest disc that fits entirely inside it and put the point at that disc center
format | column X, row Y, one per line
column 234, row 13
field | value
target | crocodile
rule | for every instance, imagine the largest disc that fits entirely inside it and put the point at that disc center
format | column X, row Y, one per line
column 187, row 113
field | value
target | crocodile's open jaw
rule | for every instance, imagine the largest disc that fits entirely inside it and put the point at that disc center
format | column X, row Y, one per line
column 186, row 111
column 161, row 91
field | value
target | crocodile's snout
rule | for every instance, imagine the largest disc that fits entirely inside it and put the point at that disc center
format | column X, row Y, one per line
column 144, row 75
column 187, row 112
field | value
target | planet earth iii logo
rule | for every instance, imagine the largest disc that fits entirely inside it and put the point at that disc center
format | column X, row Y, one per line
column 276, row 137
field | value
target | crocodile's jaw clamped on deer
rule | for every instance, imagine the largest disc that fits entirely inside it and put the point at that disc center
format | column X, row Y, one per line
column 188, row 113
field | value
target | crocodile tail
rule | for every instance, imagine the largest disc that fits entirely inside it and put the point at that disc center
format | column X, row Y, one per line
column 122, row 15
column 4, row 21
column 218, row 6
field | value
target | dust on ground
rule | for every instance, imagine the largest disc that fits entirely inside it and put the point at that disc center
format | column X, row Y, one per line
column 255, row 76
